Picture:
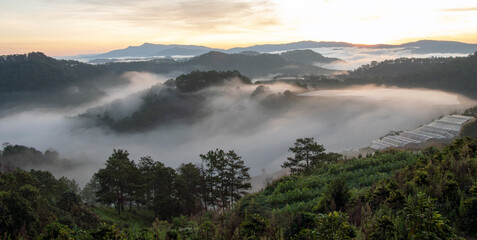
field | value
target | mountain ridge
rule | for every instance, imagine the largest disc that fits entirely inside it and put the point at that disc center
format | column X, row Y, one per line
column 151, row 49
column 253, row 66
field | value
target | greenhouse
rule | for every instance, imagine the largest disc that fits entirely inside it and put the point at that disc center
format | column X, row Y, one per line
column 445, row 128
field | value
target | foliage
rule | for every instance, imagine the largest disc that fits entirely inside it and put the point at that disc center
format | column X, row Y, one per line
column 29, row 201
column 207, row 230
column 34, row 78
column 259, row 65
column 27, row 157
column 254, row 227
column 180, row 101
column 389, row 195
column 116, row 180
column 422, row 221
column 335, row 197
column 308, row 155
column 332, row 226
column 306, row 56
column 469, row 211
column 59, row 231
column 453, row 74
column 198, row 80
column 140, row 218
column 302, row 193
column 301, row 222
column 382, row 229
column 226, row 178
column 188, row 184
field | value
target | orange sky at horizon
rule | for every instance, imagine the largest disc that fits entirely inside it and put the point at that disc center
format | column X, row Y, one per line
column 72, row 27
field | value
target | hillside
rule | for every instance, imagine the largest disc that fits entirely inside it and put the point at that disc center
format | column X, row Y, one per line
column 178, row 101
column 35, row 202
column 255, row 66
column 260, row 65
column 393, row 194
column 35, row 78
column 38, row 72
column 430, row 46
column 303, row 193
column 447, row 74
column 387, row 196
column 149, row 49
column 307, row 57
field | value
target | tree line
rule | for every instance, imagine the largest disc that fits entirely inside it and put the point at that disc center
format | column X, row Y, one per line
column 393, row 194
column 448, row 74
column 219, row 181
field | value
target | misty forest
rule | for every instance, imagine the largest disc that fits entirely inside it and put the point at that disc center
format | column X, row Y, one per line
column 306, row 140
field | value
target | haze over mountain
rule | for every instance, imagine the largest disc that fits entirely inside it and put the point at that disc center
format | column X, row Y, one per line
column 257, row 65
column 163, row 110
column 150, row 50
column 36, row 80
column 152, row 116
column 307, row 56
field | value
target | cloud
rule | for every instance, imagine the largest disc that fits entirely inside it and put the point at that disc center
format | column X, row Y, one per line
column 357, row 56
column 261, row 135
column 468, row 9
column 210, row 15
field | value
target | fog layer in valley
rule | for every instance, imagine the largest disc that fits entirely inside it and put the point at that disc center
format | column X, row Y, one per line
column 355, row 57
column 338, row 119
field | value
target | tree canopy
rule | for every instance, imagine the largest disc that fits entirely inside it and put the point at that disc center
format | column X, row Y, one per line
column 308, row 155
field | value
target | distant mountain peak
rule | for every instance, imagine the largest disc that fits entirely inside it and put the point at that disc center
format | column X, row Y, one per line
column 151, row 49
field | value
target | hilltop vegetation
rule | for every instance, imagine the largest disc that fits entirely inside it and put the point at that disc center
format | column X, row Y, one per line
column 34, row 78
column 31, row 201
column 185, row 100
column 389, row 195
column 451, row 74
column 196, row 80
column 393, row 194
column 253, row 65
column 24, row 157
column 447, row 74
column 307, row 56
column 182, row 102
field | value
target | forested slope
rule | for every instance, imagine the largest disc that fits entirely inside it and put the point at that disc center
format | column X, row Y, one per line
column 390, row 195
column 261, row 65
column 37, row 79
column 177, row 101
column 448, row 74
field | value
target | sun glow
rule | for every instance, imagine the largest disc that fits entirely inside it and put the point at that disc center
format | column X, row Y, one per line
column 73, row 27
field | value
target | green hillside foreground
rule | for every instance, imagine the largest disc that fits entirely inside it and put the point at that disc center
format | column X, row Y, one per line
column 303, row 192
column 393, row 194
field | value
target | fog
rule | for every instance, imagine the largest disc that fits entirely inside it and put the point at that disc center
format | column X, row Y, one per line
column 338, row 119
column 355, row 57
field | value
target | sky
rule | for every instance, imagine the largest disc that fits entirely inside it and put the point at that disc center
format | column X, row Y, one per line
column 71, row 27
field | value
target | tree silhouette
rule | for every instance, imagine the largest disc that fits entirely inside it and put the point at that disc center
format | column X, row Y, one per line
column 307, row 154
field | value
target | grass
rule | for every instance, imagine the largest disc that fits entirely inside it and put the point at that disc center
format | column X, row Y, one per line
column 303, row 192
column 137, row 218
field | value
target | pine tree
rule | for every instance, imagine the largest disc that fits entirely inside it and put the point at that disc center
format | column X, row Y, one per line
column 307, row 155
column 238, row 176
column 115, row 180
